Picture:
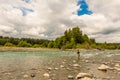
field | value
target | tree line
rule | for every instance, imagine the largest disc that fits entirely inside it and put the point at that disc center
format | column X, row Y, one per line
column 71, row 39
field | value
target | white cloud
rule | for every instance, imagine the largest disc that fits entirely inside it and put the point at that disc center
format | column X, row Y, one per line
column 52, row 17
column 7, row 30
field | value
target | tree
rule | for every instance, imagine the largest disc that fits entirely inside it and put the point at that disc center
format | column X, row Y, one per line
column 77, row 35
column 51, row 44
column 24, row 44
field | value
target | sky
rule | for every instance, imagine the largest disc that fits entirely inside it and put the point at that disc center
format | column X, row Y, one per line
column 48, row 19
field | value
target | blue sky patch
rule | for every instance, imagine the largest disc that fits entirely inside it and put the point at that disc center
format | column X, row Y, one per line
column 25, row 11
column 27, row 1
column 84, row 9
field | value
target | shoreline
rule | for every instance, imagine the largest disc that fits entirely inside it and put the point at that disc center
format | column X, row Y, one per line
column 25, row 49
column 31, row 49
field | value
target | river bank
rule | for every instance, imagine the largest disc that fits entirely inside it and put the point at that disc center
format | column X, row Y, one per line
column 25, row 49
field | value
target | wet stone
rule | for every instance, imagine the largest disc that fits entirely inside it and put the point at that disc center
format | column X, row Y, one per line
column 33, row 75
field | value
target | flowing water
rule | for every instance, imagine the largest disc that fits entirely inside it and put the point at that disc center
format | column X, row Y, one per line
column 14, row 64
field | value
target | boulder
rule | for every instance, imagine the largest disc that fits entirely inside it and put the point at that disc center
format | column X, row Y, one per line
column 83, row 75
column 103, row 67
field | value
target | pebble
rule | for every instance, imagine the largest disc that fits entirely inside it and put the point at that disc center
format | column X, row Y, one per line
column 32, row 75
column 70, row 77
column 62, row 66
column 117, row 65
column 56, row 68
column 7, row 73
column 76, row 65
column 49, row 68
column 68, row 69
column 46, row 75
column 63, row 62
column 74, row 61
column 25, row 76
column 86, row 61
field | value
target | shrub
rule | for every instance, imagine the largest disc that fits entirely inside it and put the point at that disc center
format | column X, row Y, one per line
column 8, row 44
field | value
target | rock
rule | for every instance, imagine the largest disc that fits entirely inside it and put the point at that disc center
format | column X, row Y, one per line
column 70, row 77
column 74, row 61
column 49, row 68
column 76, row 65
column 86, row 61
column 46, row 75
column 82, row 75
column 7, row 73
column 63, row 62
column 32, row 75
column 56, row 68
column 68, row 69
column 103, row 67
column 25, row 76
column 87, row 78
column 62, row 66
column 117, row 67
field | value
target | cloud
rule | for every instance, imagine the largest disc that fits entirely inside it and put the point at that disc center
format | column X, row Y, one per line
column 50, row 18
column 110, row 21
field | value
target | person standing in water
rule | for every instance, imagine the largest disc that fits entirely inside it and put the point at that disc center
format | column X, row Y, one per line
column 78, row 53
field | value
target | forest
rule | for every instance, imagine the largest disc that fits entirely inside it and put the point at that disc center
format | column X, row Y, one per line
column 71, row 39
